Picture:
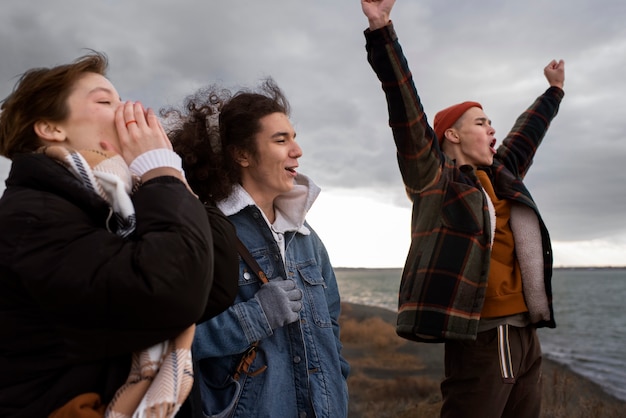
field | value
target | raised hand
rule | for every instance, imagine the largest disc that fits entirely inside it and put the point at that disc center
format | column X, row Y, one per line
column 377, row 12
column 139, row 131
column 555, row 73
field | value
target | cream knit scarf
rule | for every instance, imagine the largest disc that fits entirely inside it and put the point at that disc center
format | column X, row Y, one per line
column 161, row 376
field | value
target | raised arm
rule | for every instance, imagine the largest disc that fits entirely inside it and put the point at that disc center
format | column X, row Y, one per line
column 418, row 154
column 520, row 145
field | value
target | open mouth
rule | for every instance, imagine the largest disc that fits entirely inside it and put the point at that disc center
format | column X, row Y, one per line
column 492, row 146
column 291, row 169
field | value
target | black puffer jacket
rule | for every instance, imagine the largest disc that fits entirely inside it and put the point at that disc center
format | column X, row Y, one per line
column 76, row 299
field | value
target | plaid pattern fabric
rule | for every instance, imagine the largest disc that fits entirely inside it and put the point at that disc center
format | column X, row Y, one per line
column 444, row 279
column 107, row 176
column 160, row 380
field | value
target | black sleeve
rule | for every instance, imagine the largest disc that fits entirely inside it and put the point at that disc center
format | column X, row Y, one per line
column 106, row 295
column 226, row 263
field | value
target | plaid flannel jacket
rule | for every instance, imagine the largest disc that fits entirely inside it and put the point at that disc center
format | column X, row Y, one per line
column 446, row 271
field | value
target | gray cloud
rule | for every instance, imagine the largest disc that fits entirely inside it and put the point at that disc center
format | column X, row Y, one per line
column 161, row 51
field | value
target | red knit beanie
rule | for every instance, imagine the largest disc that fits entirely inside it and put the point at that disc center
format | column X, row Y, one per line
column 444, row 119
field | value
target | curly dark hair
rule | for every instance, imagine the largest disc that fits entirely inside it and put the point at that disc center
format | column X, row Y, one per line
column 212, row 126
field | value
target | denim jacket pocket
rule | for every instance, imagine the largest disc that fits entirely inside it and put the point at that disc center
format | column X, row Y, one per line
column 314, row 292
column 219, row 393
column 462, row 208
column 246, row 273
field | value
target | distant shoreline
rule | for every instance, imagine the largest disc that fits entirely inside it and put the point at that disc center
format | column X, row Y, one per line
column 570, row 345
column 372, row 350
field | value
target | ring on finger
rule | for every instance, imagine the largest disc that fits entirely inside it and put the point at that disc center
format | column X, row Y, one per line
column 130, row 121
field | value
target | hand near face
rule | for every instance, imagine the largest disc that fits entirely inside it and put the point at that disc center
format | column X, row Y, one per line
column 139, row 131
column 555, row 73
column 377, row 12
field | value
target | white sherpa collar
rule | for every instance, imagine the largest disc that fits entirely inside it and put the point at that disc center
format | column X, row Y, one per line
column 291, row 207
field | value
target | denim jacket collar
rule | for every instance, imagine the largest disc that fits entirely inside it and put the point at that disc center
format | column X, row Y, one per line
column 291, row 207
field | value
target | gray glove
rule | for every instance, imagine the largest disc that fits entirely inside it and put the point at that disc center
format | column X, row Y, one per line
column 281, row 301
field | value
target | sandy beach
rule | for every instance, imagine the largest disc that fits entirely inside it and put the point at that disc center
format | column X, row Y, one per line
column 393, row 377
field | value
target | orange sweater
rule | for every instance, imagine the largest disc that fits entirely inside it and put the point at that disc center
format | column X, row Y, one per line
column 504, row 295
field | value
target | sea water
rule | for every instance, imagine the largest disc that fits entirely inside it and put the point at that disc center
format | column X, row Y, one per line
column 589, row 309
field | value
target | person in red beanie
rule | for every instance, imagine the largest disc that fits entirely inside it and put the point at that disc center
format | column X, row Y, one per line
column 478, row 272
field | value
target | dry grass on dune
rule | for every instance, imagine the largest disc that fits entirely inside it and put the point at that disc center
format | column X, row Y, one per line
column 374, row 332
column 395, row 378
column 385, row 380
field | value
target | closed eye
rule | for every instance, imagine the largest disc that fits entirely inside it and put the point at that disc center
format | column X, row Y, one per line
column 483, row 121
column 280, row 137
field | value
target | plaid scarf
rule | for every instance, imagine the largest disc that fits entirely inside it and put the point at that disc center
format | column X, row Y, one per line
column 161, row 376
column 106, row 175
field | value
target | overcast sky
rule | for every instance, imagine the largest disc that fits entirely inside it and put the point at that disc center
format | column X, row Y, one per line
column 492, row 52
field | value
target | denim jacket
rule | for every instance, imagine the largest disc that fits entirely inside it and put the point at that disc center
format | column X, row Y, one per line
column 306, row 373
